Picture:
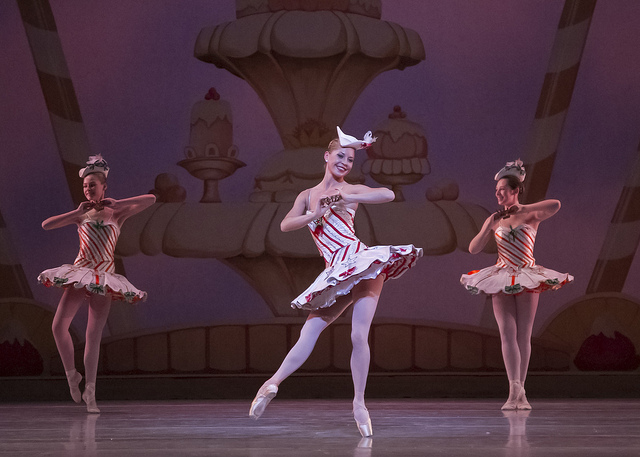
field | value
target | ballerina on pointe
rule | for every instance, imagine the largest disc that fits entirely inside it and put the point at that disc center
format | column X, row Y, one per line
column 515, row 281
column 354, row 273
column 91, row 277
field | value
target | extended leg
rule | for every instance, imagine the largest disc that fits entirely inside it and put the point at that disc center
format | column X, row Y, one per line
column 317, row 321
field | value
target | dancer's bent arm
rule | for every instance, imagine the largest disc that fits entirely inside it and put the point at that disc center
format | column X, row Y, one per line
column 297, row 218
column 364, row 194
column 538, row 212
column 478, row 243
column 72, row 217
column 126, row 207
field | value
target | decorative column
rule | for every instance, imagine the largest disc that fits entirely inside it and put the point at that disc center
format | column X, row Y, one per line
column 57, row 88
column 622, row 239
column 602, row 328
column 557, row 90
column 308, row 61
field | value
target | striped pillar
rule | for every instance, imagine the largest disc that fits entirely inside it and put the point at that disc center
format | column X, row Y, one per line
column 557, row 90
column 59, row 94
column 58, row 91
column 13, row 282
column 622, row 239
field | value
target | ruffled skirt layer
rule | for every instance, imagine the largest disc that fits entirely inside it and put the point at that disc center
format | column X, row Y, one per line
column 338, row 280
column 495, row 279
column 94, row 281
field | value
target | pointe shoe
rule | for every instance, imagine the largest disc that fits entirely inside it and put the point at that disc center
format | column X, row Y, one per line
column 514, row 390
column 365, row 428
column 89, row 397
column 74, row 378
column 262, row 399
column 522, row 402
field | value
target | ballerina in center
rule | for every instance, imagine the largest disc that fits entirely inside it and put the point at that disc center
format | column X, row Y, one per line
column 354, row 272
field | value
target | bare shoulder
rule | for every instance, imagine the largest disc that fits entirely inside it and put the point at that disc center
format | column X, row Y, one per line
column 303, row 198
column 305, row 194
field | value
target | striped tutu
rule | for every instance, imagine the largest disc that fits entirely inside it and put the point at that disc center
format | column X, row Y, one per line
column 94, row 269
column 349, row 261
column 516, row 270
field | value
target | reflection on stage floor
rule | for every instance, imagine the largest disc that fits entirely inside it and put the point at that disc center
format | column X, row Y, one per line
column 322, row 428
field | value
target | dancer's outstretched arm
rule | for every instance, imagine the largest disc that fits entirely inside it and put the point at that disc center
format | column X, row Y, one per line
column 122, row 209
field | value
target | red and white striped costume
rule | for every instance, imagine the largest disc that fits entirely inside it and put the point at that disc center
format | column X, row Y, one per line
column 516, row 270
column 348, row 260
column 94, row 268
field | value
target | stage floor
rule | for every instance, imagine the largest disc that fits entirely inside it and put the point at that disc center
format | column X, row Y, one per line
column 307, row 428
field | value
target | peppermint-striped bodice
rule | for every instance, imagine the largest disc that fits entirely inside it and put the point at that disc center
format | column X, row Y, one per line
column 97, row 244
column 515, row 246
column 335, row 236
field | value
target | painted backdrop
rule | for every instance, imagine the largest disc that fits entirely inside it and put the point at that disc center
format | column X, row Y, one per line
column 222, row 109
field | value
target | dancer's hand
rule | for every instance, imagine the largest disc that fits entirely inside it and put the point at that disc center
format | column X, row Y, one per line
column 98, row 206
column 506, row 212
column 321, row 206
column 84, row 207
column 346, row 196
column 329, row 200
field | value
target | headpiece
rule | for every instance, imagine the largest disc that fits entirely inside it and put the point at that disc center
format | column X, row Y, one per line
column 512, row 168
column 95, row 164
column 348, row 141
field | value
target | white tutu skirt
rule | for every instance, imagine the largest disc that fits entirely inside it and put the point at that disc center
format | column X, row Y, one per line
column 495, row 279
column 338, row 280
column 94, row 281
